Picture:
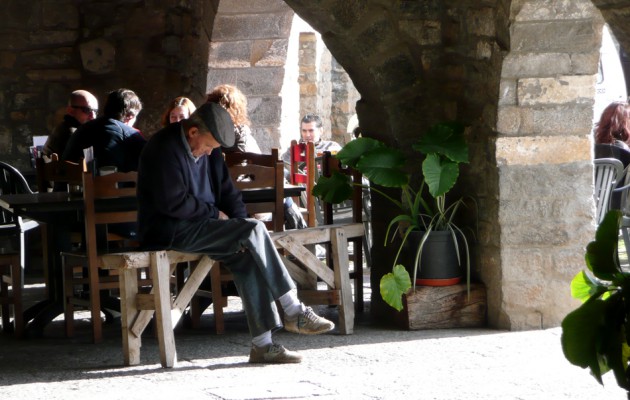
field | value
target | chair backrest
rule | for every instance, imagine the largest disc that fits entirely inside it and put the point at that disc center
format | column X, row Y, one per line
column 350, row 210
column 108, row 188
column 58, row 175
column 251, row 171
column 303, row 171
column 608, row 171
column 11, row 182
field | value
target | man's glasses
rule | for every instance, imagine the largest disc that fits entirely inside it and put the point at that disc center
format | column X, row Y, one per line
column 86, row 110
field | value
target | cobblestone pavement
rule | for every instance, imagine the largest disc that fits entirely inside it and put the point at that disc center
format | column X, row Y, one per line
column 374, row 363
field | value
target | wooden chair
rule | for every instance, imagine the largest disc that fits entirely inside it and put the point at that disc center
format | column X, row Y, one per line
column 55, row 175
column 249, row 171
column 350, row 211
column 303, row 170
column 13, row 230
column 114, row 187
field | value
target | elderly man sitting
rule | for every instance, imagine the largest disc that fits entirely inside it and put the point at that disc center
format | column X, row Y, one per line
column 188, row 202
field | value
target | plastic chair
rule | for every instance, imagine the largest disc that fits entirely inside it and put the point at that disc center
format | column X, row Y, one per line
column 13, row 231
column 608, row 171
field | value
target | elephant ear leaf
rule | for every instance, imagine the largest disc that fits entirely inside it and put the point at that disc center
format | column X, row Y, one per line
column 333, row 189
column 446, row 139
column 352, row 152
column 384, row 166
column 601, row 254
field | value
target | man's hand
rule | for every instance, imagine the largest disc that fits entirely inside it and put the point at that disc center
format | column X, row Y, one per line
column 222, row 215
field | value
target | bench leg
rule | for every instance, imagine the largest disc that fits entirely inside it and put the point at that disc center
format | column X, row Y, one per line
column 342, row 281
column 162, row 296
column 128, row 291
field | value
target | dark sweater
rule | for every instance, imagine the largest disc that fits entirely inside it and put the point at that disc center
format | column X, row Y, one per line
column 172, row 187
column 114, row 143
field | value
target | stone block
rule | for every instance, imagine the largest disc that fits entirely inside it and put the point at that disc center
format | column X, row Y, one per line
column 525, row 65
column 265, row 110
column 7, row 59
column 59, row 57
column 54, row 74
column 376, row 38
column 261, row 81
column 557, row 37
column 234, row 54
column 60, row 14
column 252, row 26
column 585, row 63
column 540, row 150
column 269, row 53
column 563, row 89
column 252, row 6
column 481, row 22
column 98, row 56
column 507, row 96
column 394, row 74
column 555, row 10
column 423, row 32
column 217, row 76
column 50, row 37
column 550, row 120
column 533, row 258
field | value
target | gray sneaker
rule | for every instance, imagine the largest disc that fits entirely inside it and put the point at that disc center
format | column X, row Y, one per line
column 273, row 354
column 308, row 323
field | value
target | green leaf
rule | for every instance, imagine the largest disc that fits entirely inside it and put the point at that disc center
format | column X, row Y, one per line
column 333, row 189
column 355, row 149
column 583, row 288
column 601, row 254
column 394, row 285
column 440, row 174
column 445, row 139
column 581, row 335
column 384, row 166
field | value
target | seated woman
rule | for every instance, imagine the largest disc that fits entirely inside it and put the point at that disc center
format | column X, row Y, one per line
column 180, row 108
column 612, row 138
column 235, row 103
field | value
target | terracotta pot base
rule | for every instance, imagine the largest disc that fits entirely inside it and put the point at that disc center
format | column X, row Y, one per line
column 438, row 282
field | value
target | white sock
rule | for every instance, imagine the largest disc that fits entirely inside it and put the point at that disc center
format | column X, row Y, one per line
column 290, row 303
column 263, row 340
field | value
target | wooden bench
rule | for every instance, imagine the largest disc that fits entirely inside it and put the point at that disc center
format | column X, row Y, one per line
column 137, row 308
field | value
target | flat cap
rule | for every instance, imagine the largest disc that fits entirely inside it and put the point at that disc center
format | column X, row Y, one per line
column 218, row 122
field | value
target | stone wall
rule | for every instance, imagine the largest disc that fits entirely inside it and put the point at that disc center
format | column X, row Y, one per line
column 544, row 145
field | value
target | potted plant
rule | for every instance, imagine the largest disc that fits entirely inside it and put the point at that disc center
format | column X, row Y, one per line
column 596, row 334
column 423, row 209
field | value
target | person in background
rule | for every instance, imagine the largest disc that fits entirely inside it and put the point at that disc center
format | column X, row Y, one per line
column 187, row 201
column 311, row 129
column 612, row 139
column 114, row 140
column 82, row 107
column 614, row 126
column 235, row 103
column 180, row 108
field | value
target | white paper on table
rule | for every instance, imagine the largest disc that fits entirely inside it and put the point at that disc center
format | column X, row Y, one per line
column 88, row 154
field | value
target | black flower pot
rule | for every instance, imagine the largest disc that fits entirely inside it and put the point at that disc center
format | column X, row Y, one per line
column 439, row 265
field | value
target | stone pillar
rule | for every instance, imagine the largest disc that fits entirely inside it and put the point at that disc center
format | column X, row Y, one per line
column 543, row 154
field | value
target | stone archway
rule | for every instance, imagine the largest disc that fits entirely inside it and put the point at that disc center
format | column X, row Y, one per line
column 414, row 63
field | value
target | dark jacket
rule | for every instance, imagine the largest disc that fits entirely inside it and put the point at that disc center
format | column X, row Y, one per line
column 172, row 187
column 114, row 143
